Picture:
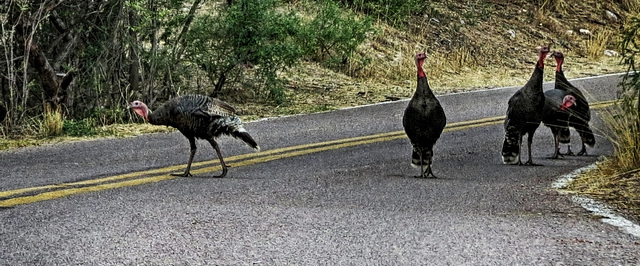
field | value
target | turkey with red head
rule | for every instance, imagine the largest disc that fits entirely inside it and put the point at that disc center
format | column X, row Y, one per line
column 198, row 116
column 423, row 121
column 556, row 115
column 580, row 114
column 524, row 114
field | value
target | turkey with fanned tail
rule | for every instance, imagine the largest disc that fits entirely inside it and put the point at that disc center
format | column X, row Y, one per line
column 423, row 121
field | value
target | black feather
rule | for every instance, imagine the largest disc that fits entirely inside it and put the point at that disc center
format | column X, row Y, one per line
column 524, row 115
column 577, row 116
column 198, row 116
column 423, row 121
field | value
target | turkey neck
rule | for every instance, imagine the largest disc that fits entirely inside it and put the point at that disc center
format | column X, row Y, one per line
column 560, row 78
column 423, row 90
column 535, row 82
column 156, row 118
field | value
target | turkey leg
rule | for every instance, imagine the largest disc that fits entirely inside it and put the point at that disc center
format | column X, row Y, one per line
column 556, row 142
column 519, row 149
column 569, row 152
column 529, row 141
column 425, row 173
column 582, row 151
column 428, row 172
column 214, row 144
column 192, row 143
column 421, row 165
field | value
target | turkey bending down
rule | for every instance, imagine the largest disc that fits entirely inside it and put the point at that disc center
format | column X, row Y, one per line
column 197, row 116
column 423, row 121
column 556, row 116
column 524, row 114
column 578, row 116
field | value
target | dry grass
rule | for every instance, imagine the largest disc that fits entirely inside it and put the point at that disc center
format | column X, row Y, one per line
column 617, row 179
column 621, row 190
column 631, row 5
column 596, row 44
column 115, row 130
column 52, row 122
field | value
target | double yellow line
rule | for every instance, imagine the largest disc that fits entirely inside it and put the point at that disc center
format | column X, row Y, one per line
column 15, row 197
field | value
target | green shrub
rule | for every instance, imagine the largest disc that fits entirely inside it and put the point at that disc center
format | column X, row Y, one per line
column 630, row 45
column 79, row 128
column 333, row 35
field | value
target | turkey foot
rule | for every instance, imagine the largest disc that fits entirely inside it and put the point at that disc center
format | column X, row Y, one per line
column 583, row 151
column 427, row 173
column 569, row 152
column 530, row 163
column 185, row 174
column 557, row 155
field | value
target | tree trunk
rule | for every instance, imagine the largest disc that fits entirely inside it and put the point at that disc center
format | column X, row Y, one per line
column 218, row 88
column 53, row 85
column 134, row 64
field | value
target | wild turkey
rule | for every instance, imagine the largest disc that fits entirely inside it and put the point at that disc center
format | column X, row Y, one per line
column 197, row 116
column 580, row 114
column 524, row 114
column 556, row 116
column 423, row 121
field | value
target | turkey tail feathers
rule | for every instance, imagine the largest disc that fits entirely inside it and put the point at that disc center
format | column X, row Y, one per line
column 417, row 160
column 511, row 146
column 587, row 136
column 243, row 135
column 232, row 126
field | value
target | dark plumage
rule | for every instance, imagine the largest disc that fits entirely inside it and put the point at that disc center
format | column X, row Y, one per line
column 197, row 116
column 579, row 114
column 423, row 121
column 524, row 114
column 556, row 116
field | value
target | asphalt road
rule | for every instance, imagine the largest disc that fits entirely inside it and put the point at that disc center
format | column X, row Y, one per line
column 330, row 188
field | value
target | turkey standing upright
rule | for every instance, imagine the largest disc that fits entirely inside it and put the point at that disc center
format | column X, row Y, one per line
column 423, row 121
column 580, row 114
column 198, row 116
column 524, row 114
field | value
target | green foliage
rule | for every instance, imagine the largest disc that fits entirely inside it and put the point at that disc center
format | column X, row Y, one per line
column 260, row 37
column 107, row 116
column 79, row 128
column 153, row 50
column 250, row 33
column 630, row 50
column 333, row 35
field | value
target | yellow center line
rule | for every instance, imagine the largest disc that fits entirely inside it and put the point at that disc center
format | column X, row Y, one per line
column 65, row 189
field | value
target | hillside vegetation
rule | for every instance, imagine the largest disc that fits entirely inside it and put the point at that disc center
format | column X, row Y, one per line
column 305, row 56
column 471, row 45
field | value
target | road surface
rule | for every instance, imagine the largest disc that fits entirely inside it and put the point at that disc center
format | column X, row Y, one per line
column 329, row 188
